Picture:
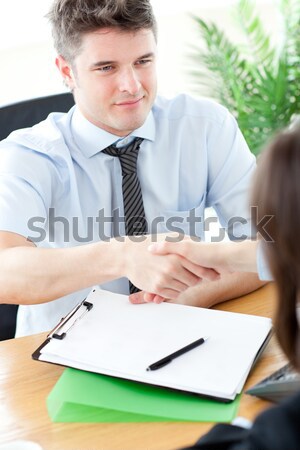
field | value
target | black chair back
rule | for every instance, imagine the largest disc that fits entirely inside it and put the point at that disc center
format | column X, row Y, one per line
column 13, row 117
column 29, row 112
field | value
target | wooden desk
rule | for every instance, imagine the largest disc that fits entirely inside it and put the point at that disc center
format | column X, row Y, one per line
column 25, row 385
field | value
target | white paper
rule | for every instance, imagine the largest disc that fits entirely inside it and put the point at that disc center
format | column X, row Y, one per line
column 120, row 339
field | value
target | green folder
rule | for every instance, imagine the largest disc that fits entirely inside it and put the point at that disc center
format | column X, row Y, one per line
column 81, row 396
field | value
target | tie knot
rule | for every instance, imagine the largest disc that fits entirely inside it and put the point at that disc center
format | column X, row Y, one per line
column 127, row 155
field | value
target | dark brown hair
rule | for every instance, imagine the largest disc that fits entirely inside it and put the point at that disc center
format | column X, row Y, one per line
column 276, row 192
column 71, row 19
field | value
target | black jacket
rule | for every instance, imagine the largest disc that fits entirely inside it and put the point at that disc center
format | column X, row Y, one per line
column 277, row 428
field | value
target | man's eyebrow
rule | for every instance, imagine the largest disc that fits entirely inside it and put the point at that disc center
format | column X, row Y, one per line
column 101, row 63
column 147, row 55
column 108, row 63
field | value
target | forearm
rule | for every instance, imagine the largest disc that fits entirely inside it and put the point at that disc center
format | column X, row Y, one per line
column 238, row 256
column 231, row 285
column 38, row 275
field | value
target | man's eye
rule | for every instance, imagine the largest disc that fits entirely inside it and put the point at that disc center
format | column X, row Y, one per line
column 105, row 68
column 143, row 61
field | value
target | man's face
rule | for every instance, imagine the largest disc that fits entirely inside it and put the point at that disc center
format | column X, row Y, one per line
column 114, row 78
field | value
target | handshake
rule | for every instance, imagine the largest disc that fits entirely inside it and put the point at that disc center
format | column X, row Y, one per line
column 164, row 269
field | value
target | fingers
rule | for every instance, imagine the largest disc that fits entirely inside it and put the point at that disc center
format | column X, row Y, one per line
column 183, row 278
column 201, row 272
column 161, row 293
column 167, row 275
column 197, row 252
column 148, row 297
column 178, row 274
column 209, row 274
column 145, row 297
column 137, row 298
column 178, row 282
column 153, row 298
column 196, row 263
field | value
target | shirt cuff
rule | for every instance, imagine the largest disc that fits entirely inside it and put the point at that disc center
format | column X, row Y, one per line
column 263, row 269
column 242, row 422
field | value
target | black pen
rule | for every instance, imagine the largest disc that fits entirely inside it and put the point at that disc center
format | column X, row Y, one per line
column 167, row 359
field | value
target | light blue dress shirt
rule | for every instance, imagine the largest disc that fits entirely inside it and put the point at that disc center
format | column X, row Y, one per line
column 263, row 269
column 60, row 190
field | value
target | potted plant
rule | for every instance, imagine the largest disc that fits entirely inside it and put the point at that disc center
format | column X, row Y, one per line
column 259, row 82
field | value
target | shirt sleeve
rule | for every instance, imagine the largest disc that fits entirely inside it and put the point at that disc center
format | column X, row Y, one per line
column 21, row 206
column 26, row 184
column 230, row 170
column 263, row 269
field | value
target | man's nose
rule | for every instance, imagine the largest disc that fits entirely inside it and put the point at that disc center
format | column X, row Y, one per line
column 129, row 81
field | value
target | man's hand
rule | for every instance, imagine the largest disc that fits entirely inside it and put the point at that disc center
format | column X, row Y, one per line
column 222, row 258
column 164, row 275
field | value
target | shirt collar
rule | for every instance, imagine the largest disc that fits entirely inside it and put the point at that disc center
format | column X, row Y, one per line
column 91, row 139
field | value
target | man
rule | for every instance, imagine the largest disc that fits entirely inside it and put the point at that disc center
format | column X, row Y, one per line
column 65, row 189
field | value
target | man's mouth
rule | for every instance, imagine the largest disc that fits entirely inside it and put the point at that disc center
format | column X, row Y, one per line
column 130, row 102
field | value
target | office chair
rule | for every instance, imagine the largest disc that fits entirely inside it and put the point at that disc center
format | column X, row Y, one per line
column 12, row 117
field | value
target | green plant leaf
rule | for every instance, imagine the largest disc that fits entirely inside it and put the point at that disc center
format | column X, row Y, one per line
column 259, row 84
column 259, row 47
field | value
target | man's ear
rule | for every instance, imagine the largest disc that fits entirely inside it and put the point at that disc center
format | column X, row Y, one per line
column 66, row 72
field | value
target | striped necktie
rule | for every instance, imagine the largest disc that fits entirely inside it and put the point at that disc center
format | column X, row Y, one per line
column 135, row 220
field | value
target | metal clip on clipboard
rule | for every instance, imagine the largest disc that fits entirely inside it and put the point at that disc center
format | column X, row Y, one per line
column 55, row 332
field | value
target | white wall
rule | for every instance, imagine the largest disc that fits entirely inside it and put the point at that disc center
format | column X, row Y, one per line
column 27, row 57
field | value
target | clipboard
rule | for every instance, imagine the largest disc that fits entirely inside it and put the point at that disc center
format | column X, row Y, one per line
column 108, row 335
